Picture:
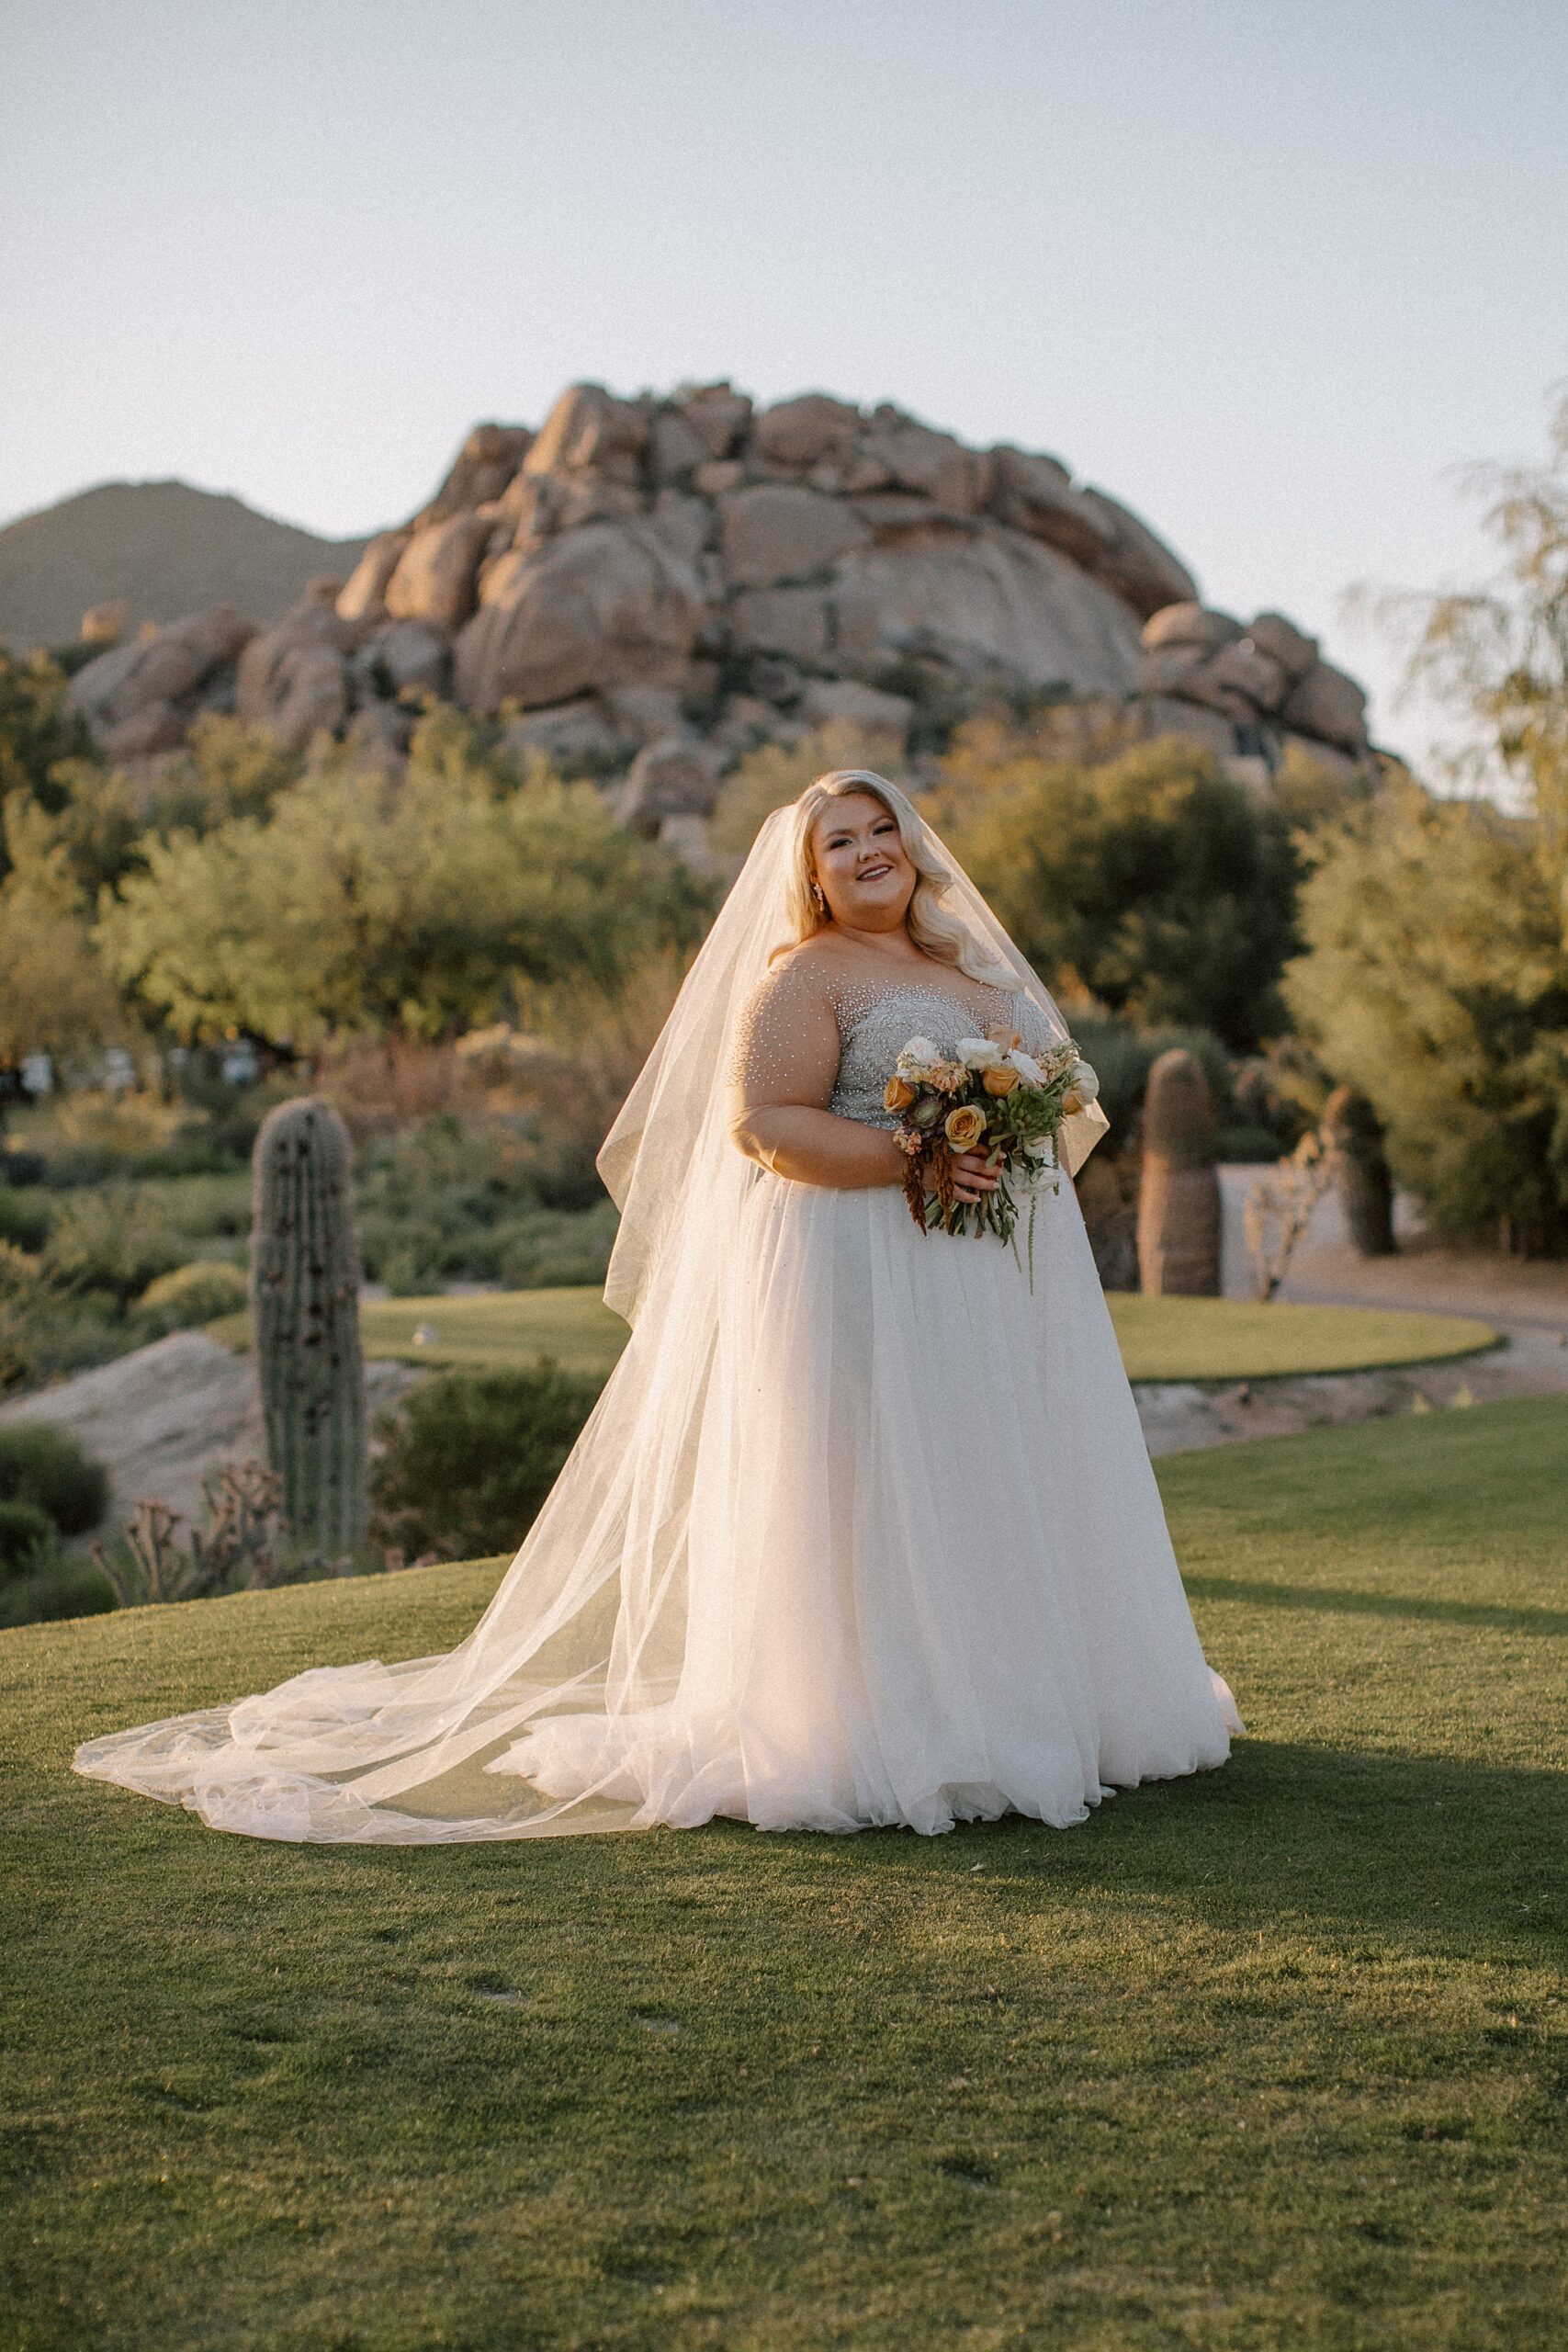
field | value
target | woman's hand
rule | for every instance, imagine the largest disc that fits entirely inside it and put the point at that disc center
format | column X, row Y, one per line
column 973, row 1175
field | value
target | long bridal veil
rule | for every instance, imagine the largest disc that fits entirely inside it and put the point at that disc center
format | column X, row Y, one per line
column 590, row 1616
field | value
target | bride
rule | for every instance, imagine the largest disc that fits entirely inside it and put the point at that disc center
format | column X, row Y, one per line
column 861, row 1529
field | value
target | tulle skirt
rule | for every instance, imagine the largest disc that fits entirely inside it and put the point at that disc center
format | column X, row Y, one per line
column 862, row 1532
column 929, row 1577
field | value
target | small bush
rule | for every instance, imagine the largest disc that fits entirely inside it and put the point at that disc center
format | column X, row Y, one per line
column 47, row 1467
column 1123, row 1058
column 470, row 1456
column 114, row 1240
column 25, row 1531
column 1245, row 1144
column 193, row 1296
column 58, row 1587
column 24, row 1218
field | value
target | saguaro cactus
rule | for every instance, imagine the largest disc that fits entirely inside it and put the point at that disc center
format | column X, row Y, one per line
column 1366, row 1188
column 305, row 1312
column 1178, row 1195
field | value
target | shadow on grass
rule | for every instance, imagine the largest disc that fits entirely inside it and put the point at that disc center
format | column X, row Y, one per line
column 1432, row 1853
column 1495, row 1616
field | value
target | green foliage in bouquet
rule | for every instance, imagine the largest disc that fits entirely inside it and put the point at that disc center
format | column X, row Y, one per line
column 988, row 1097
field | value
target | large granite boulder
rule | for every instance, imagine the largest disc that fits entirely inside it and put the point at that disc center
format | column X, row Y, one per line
column 1267, row 671
column 995, row 607
column 606, row 605
column 641, row 568
column 140, row 697
column 434, row 577
column 777, row 531
column 293, row 678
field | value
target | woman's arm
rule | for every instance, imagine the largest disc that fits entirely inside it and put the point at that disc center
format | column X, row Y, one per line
column 785, row 1061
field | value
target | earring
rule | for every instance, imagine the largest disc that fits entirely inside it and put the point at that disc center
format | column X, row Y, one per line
column 817, row 894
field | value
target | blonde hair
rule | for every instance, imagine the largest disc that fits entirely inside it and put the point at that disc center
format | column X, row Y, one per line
column 932, row 928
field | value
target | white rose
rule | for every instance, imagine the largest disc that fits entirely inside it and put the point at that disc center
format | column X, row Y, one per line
column 979, row 1053
column 1038, row 1146
column 1084, row 1083
column 919, row 1058
column 1027, row 1067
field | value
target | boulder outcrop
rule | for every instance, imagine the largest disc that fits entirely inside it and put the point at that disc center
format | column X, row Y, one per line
column 666, row 580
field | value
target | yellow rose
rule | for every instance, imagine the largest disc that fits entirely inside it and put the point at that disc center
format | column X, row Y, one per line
column 965, row 1126
column 1000, row 1081
column 897, row 1095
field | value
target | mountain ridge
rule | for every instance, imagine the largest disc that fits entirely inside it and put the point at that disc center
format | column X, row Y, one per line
column 163, row 548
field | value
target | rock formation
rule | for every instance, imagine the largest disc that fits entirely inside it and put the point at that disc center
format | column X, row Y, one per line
column 648, row 588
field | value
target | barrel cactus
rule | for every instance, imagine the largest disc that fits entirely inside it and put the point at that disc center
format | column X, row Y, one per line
column 1366, row 1188
column 305, row 1312
column 1178, row 1192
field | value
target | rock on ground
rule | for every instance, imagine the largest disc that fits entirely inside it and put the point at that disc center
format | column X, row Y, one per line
column 164, row 1418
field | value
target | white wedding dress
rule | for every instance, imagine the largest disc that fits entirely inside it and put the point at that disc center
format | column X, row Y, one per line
column 863, row 1530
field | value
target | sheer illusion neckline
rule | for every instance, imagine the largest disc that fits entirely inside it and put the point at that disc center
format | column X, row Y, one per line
column 927, row 989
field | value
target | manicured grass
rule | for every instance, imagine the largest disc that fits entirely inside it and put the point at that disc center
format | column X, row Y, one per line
column 1232, row 1338
column 1162, row 1338
column 496, row 1328
column 1270, row 2057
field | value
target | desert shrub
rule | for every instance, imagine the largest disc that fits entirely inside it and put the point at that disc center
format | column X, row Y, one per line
column 1435, row 982
column 565, row 1072
column 52, row 1470
column 193, row 1295
column 557, row 1249
column 113, row 1239
column 21, row 1166
column 57, row 1586
column 1244, row 1143
column 1152, row 882
column 86, row 1136
column 1123, row 1058
column 38, row 726
column 244, row 1547
column 46, row 1334
column 25, row 1531
column 363, row 904
column 24, row 1218
column 470, row 1457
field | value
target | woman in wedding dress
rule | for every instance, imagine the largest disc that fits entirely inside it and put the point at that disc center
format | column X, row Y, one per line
column 863, row 1530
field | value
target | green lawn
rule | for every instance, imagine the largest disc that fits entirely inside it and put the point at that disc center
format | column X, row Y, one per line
column 1270, row 2057
column 1162, row 1338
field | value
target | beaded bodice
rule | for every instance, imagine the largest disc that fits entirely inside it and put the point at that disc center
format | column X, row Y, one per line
column 874, row 1037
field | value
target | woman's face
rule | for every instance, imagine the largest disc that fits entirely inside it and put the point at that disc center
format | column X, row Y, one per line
column 860, row 860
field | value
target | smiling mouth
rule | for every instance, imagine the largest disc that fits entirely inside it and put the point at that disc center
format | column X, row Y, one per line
column 870, row 873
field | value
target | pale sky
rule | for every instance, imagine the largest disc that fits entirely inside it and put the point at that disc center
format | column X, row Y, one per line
column 1267, row 271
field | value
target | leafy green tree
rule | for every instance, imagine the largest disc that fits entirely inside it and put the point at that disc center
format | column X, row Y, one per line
column 1499, row 652
column 360, row 903
column 1434, row 980
column 55, row 996
column 37, row 727
column 1150, row 880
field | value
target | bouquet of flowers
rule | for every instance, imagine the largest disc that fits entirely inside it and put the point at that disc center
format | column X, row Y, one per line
column 987, row 1096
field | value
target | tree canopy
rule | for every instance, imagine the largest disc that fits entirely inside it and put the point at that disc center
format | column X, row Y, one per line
column 1434, row 980
column 1153, row 881
column 359, row 903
